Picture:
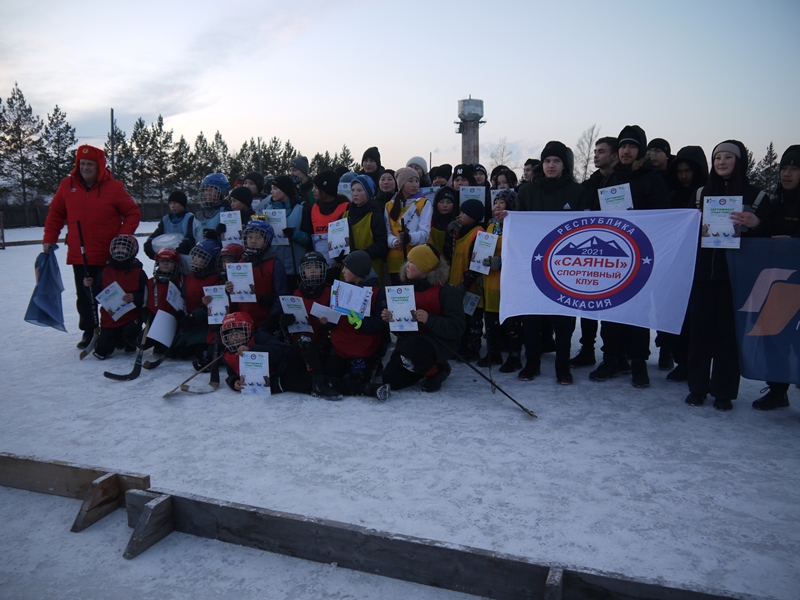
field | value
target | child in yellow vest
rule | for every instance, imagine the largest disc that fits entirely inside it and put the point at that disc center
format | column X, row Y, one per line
column 367, row 225
column 445, row 209
column 408, row 220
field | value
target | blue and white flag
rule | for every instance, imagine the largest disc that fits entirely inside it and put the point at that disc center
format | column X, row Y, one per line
column 765, row 276
column 632, row 267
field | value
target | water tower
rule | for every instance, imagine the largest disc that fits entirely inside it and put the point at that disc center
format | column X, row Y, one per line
column 470, row 113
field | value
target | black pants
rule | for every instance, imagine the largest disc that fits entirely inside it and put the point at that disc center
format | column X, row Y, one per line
column 84, row 302
column 412, row 351
column 111, row 337
column 532, row 328
column 625, row 340
column 588, row 333
column 713, row 349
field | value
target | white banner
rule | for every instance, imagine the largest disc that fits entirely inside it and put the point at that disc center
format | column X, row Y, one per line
column 634, row 267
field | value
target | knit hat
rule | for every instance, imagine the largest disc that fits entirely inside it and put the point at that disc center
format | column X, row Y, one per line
column 403, row 175
column 479, row 167
column 791, row 158
column 425, row 258
column 341, row 170
column 464, row 171
column 243, row 195
column 660, row 144
column 727, row 146
column 358, row 263
column 445, row 192
column 366, row 182
column 374, row 154
column 285, row 183
column 508, row 196
column 497, row 169
column 179, row 197
column 633, row 134
column 556, row 149
column 419, row 161
column 327, row 182
column 300, row 163
column 345, row 177
column 473, row 208
column 256, row 178
column 445, row 170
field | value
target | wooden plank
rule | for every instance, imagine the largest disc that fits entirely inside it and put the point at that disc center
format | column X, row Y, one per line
column 554, row 586
column 134, row 502
column 103, row 498
column 155, row 523
column 60, row 478
column 428, row 562
column 590, row 586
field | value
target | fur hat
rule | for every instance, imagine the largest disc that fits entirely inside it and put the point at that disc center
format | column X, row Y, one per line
column 474, row 209
column 403, row 175
column 327, row 182
column 358, row 263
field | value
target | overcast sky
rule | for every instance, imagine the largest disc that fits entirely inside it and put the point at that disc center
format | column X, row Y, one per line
column 385, row 73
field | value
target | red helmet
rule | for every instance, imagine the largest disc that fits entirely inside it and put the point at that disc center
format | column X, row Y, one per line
column 232, row 253
column 236, row 329
column 162, row 273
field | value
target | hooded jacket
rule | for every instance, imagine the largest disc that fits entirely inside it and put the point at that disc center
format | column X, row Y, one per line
column 105, row 210
column 681, row 197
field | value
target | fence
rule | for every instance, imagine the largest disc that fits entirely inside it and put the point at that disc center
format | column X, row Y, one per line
column 35, row 216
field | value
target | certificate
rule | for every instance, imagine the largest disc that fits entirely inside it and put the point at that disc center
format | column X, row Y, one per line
column 471, row 303
column 338, row 238
column 277, row 218
column 232, row 220
column 616, row 197
column 174, row 297
column 162, row 328
column 347, row 298
column 718, row 230
column 402, row 304
column 471, row 192
column 293, row 305
column 484, row 247
column 111, row 300
column 244, row 286
column 319, row 311
column 254, row 373
column 219, row 303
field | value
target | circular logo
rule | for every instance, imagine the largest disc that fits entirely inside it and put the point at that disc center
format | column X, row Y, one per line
column 592, row 263
column 399, row 290
column 722, row 202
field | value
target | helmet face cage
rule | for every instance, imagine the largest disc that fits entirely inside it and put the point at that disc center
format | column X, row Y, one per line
column 166, row 266
column 199, row 259
column 235, row 331
column 124, row 247
column 256, row 230
column 313, row 270
column 213, row 190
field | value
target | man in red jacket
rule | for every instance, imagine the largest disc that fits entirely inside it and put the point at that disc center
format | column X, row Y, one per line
column 104, row 208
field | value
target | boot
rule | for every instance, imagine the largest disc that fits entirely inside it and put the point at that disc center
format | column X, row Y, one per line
column 435, row 381
column 85, row 339
column 584, row 358
column 665, row 362
column 320, row 388
column 723, row 404
column 563, row 375
column 533, row 368
column 771, row 400
column 513, row 363
column 624, row 366
column 639, row 377
column 375, row 390
column 695, row 399
column 678, row 374
column 606, row 370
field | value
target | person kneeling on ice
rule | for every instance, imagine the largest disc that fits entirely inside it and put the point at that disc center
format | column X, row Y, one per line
column 125, row 269
column 239, row 336
column 440, row 313
column 167, row 269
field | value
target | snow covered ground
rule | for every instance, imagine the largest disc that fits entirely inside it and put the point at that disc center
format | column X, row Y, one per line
column 609, row 478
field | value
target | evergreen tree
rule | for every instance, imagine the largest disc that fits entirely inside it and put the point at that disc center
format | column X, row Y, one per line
column 222, row 156
column 203, row 158
column 120, row 159
column 320, row 163
column 142, row 147
column 751, row 164
column 20, row 144
column 767, row 172
column 4, row 188
column 57, row 155
column 289, row 152
column 271, row 158
column 183, row 172
column 346, row 159
column 160, row 158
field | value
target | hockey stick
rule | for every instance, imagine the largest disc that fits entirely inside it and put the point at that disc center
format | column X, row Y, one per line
column 181, row 385
column 502, row 391
column 214, row 379
column 85, row 352
column 137, row 365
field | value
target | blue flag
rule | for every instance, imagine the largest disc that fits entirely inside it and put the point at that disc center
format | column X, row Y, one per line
column 765, row 275
column 45, row 306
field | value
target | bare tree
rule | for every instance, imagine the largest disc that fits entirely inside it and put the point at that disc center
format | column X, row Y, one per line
column 584, row 153
column 501, row 155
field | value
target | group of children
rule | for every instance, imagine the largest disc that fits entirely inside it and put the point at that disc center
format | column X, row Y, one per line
column 400, row 235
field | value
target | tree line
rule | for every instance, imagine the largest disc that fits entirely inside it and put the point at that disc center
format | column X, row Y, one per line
column 36, row 154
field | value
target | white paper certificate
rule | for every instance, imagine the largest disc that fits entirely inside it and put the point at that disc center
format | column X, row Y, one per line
column 293, row 305
column 319, row 311
column 346, row 297
column 718, row 231
column 241, row 276
column 219, row 303
column 471, row 302
column 111, row 300
column 344, row 190
column 174, row 297
column 616, row 197
column 254, row 373
column 484, row 247
column 163, row 328
column 401, row 303
column 277, row 218
column 338, row 238
column 471, row 192
column 233, row 227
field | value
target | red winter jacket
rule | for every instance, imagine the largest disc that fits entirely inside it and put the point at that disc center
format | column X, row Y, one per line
column 105, row 211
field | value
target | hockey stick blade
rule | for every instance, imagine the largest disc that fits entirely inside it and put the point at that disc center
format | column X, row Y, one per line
column 197, row 389
column 181, row 385
column 152, row 364
column 86, row 351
